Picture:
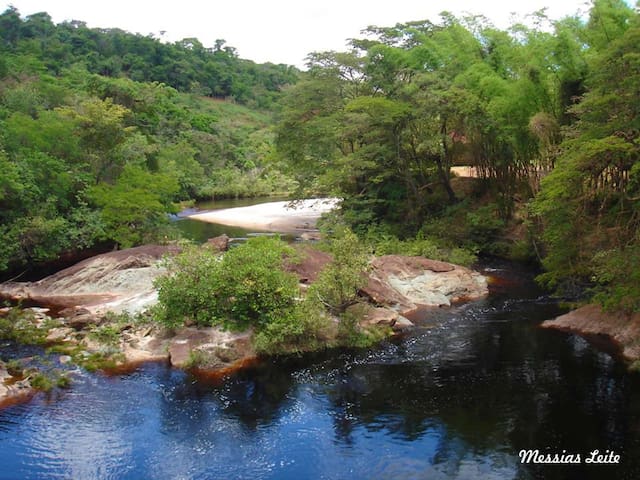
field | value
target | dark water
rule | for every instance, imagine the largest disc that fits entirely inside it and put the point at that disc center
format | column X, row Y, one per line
column 457, row 398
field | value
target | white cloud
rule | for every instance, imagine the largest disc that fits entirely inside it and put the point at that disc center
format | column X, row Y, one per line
column 280, row 31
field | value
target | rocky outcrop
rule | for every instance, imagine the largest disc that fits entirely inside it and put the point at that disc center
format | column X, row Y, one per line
column 372, row 316
column 590, row 320
column 188, row 347
column 116, row 281
column 123, row 281
column 407, row 283
column 211, row 347
column 13, row 390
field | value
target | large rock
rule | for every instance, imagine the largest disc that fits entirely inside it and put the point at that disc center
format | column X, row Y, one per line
column 622, row 328
column 115, row 281
column 371, row 316
column 209, row 347
column 407, row 283
column 145, row 344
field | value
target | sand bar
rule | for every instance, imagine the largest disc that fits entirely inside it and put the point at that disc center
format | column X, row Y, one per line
column 285, row 217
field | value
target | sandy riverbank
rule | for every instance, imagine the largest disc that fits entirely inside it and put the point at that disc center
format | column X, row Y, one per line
column 273, row 216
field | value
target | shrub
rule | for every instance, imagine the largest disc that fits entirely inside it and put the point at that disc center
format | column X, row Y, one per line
column 20, row 326
column 307, row 327
column 247, row 287
column 385, row 243
column 338, row 284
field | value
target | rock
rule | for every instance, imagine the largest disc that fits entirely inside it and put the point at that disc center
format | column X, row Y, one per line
column 219, row 243
column 82, row 321
column 402, row 323
column 405, row 283
column 379, row 292
column 145, row 344
column 70, row 312
column 309, row 263
column 380, row 316
column 369, row 315
column 11, row 390
column 621, row 328
column 405, row 266
column 221, row 346
column 116, row 281
column 59, row 334
column 64, row 359
column 311, row 236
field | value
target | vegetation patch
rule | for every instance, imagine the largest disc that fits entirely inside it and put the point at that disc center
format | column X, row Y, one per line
column 248, row 287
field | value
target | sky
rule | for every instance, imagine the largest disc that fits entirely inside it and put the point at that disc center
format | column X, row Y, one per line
column 277, row 31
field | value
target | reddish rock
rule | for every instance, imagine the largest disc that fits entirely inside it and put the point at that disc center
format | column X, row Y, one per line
column 114, row 281
column 80, row 322
column 219, row 243
column 308, row 264
column 408, row 283
column 218, row 348
column 369, row 315
column 622, row 328
column 401, row 265
column 379, row 292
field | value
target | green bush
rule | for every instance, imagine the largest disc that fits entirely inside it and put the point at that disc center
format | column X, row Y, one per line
column 617, row 279
column 306, row 328
column 20, row 326
column 337, row 285
column 247, row 287
column 384, row 243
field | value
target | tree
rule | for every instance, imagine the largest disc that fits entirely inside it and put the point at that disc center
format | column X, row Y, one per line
column 590, row 202
column 100, row 126
column 136, row 205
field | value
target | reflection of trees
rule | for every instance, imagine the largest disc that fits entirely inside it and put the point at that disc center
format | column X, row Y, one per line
column 488, row 386
column 485, row 384
column 256, row 396
column 253, row 396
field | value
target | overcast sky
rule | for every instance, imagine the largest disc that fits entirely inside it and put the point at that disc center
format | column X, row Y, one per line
column 279, row 31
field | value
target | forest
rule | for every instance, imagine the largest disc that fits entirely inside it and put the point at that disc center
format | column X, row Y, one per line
column 105, row 133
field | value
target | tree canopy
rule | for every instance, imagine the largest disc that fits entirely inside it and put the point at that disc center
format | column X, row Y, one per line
column 545, row 112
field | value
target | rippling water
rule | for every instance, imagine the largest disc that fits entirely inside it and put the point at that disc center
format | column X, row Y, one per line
column 457, row 398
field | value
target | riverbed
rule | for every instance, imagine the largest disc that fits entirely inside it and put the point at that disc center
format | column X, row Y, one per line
column 459, row 397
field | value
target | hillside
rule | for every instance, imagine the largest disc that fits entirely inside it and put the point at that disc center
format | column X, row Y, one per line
column 95, row 155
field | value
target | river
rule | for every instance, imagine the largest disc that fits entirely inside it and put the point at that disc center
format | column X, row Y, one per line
column 200, row 231
column 458, row 398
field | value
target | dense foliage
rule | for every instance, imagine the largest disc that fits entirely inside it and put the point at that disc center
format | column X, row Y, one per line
column 247, row 287
column 98, row 142
column 545, row 112
column 104, row 132
column 186, row 65
column 590, row 203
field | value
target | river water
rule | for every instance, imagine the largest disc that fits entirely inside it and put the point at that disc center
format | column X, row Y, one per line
column 458, row 398
column 199, row 231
